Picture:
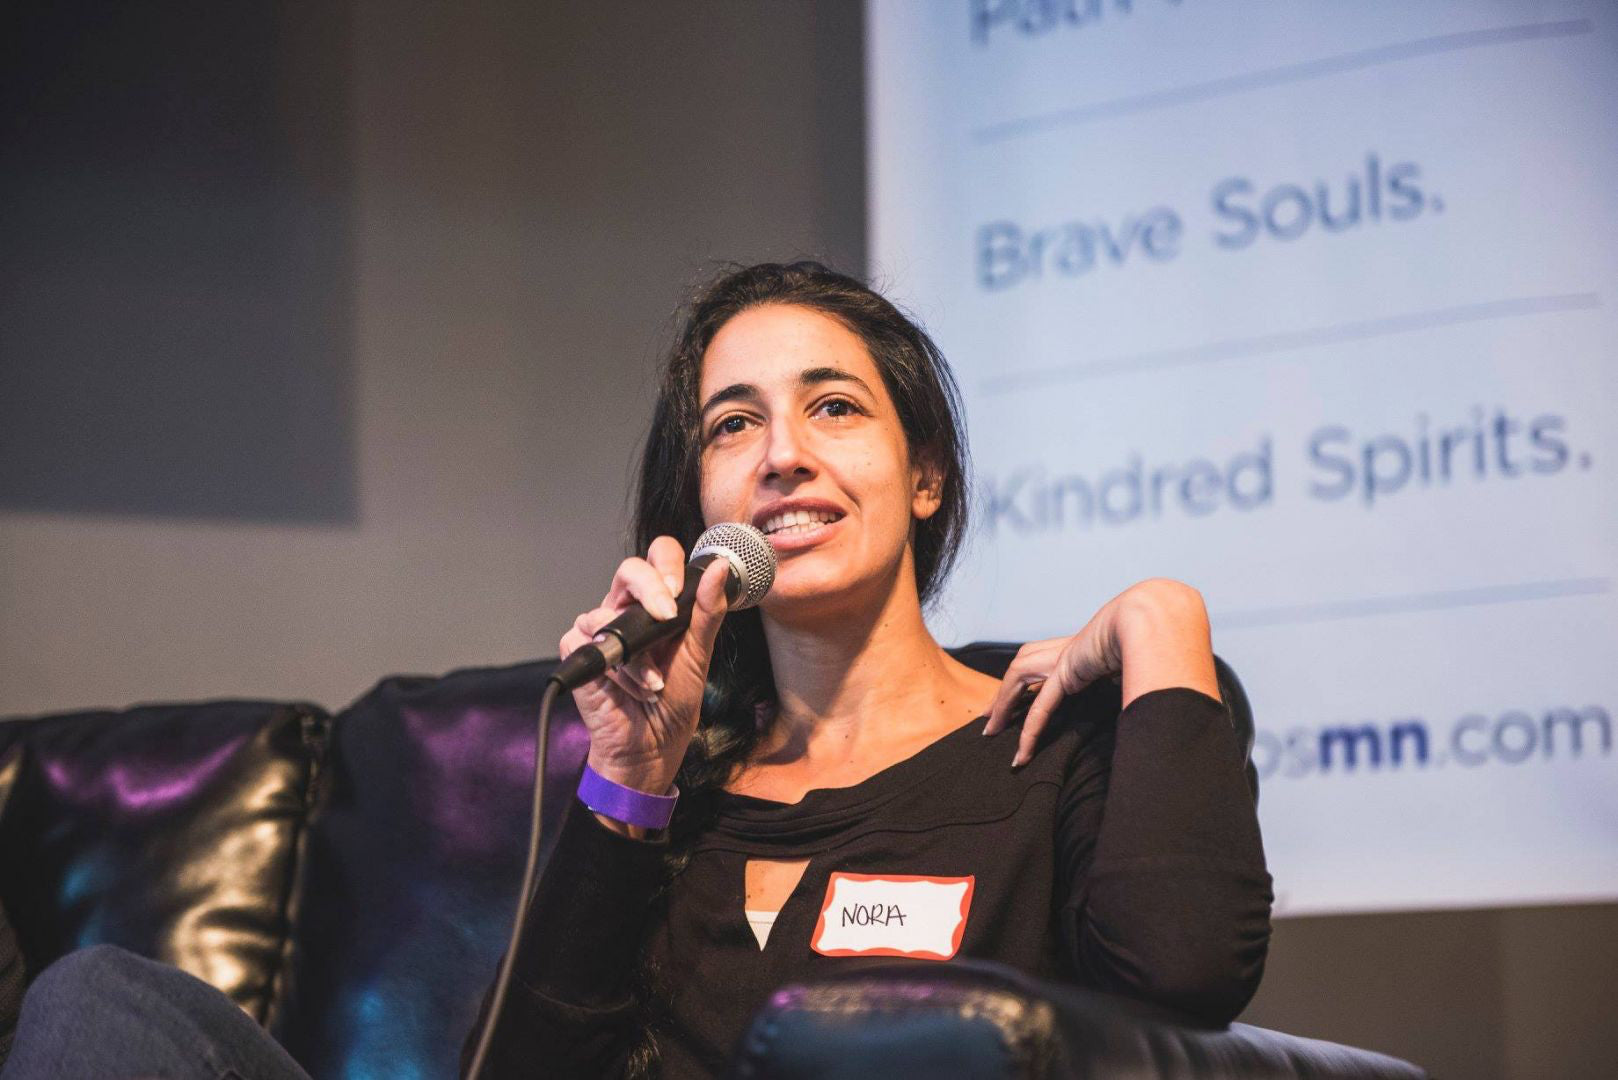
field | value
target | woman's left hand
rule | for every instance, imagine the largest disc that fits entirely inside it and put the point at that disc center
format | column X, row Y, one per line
column 1154, row 635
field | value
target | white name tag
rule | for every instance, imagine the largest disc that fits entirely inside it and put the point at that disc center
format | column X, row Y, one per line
column 893, row 915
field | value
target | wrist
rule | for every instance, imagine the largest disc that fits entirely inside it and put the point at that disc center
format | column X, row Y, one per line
column 1163, row 639
column 651, row 776
column 634, row 832
column 1160, row 608
column 630, row 807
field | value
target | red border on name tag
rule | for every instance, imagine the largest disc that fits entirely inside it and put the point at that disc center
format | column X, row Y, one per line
column 955, row 942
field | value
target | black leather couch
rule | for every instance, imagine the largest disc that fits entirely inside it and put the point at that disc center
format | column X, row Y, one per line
column 348, row 880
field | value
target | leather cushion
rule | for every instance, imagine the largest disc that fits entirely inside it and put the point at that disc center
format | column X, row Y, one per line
column 976, row 1019
column 170, row 830
column 413, row 864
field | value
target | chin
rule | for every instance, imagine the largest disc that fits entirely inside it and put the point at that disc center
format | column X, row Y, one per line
column 802, row 592
column 791, row 596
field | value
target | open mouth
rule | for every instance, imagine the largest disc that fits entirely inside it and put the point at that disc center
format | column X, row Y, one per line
column 797, row 522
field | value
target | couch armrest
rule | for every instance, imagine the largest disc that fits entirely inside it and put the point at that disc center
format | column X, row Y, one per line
column 972, row 1019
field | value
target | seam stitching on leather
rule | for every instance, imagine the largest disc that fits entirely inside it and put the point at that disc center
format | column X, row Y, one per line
column 314, row 734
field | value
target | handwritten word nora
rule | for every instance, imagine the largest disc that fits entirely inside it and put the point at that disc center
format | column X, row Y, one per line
column 873, row 915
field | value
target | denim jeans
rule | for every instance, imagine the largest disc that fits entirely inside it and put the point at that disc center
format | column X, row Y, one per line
column 106, row 1013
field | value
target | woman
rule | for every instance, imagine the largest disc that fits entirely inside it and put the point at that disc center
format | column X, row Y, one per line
column 835, row 800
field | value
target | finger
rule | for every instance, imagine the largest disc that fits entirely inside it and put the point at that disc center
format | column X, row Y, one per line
column 685, row 664
column 1000, row 710
column 1039, row 713
column 570, row 641
column 590, row 623
column 644, row 671
column 644, row 678
column 1010, row 684
column 576, row 639
column 1084, row 661
column 668, row 559
column 638, row 581
column 601, row 695
column 1017, row 705
column 1029, row 665
column 584, row 630
column 627, row 682
column 709, row 610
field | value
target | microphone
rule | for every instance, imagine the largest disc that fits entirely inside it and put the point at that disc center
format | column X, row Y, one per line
column 752, row 572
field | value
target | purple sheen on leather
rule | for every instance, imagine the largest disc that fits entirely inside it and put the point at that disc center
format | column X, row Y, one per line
column 461, row 755
column 140, row 786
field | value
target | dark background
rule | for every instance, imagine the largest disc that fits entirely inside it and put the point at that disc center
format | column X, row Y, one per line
column 174, row 316
column 326, row 334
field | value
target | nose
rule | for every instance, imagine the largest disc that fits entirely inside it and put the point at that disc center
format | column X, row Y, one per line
column 787, row 453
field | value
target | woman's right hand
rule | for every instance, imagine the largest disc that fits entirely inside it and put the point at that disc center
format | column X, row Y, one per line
column 643, row 714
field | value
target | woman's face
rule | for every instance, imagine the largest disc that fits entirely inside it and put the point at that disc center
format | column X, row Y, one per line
column 800, row 438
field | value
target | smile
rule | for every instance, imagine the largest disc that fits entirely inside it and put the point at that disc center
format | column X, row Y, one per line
column 798, row 522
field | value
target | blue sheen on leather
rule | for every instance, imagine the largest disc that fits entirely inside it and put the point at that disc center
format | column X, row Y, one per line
column 170, row 830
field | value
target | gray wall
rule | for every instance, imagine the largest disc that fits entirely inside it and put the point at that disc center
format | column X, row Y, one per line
column 526, row 190
column 523, row 194
column 1481, row 995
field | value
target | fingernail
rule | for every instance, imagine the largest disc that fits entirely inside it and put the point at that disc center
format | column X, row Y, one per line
column 666, row 608
column 654, row 681
column 673, row 583
column 1019, row 761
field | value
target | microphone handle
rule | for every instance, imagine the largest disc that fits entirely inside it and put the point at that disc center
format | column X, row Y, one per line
column 636, row 629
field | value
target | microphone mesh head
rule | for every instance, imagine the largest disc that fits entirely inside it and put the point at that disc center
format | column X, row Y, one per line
column 748, row 553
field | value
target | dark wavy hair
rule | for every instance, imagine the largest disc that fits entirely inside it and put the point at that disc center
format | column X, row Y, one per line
column 740, row 696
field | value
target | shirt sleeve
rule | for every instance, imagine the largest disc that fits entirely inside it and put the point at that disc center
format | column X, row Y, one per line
column 1168, row 899
column 570, row 1008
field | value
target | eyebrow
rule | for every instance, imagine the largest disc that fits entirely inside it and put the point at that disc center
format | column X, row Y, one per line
column 807, row 377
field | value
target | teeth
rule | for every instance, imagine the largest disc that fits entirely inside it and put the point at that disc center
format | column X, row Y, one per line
column 797, row 521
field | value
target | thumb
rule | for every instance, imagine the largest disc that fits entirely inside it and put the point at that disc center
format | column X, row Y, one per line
column 710, row 607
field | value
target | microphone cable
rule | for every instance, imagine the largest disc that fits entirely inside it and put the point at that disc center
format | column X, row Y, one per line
column 497, row 999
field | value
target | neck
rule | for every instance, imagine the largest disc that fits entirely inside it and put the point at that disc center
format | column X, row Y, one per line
column 873, row 666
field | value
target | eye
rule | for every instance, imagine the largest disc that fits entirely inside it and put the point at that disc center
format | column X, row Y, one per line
column 839, row 407
column 733, row 424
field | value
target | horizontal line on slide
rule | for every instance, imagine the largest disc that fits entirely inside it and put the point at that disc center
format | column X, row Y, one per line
column 1412, row 602
column 1276, row 76
column 1235, row 348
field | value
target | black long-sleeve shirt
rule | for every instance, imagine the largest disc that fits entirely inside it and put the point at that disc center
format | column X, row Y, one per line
column 1125, row 857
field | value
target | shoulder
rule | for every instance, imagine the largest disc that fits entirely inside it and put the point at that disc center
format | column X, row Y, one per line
column 1076, row 745
column 1081, row 731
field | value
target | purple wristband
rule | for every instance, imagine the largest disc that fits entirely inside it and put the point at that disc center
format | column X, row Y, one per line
column 626, row 804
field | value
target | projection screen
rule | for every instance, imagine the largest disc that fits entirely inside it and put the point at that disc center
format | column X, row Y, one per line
column 1309, row 305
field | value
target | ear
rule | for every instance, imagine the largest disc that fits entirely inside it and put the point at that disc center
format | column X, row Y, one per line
column 927, row 489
